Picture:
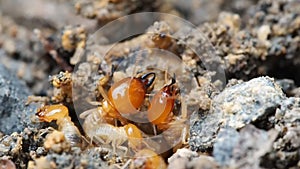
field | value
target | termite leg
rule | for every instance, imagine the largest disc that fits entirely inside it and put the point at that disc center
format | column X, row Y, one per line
column 102, row 82
column 154, row 129
column 184, row 136
column 116, row 122
column 85, row 139
column 125, row 149
column 149, row 94
column 94, row 103
column 102, row 141
column 184, row 117
column 47, row 130
column 126, row 164
column 84, row 114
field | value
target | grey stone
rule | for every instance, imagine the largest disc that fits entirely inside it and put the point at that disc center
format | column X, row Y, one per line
column 254, row 102
column 287, row 144
column 243, row 149
column 14, row 115
column 227, row 139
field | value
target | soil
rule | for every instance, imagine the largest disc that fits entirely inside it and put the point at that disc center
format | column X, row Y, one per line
column 250, row 118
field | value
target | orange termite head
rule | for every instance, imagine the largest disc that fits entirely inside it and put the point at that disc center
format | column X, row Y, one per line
column 171, row 89
column 162, row 104
column 148, row 159
column 52, row 112
column 128, row 94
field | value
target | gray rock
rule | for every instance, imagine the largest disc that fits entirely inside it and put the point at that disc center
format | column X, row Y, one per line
column 227, row 139
column 92, row 158
column 254, row 101
column 243, row 149
column 287, row 85
column 181, row 158
column 185, row 158
column 248, row 102
column 204, row 131
column 14, row 115
column 286, row 148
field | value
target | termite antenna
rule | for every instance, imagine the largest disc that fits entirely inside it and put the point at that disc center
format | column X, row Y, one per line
column 166, row 75
column 148, row 79
column 113, row 69
column 126, row 165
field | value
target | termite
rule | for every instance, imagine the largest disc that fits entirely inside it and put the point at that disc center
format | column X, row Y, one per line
column 128, row 94
column 105, row 133
column 60, row 113
column 160, row 111
column 123, row 98
column 160, row 114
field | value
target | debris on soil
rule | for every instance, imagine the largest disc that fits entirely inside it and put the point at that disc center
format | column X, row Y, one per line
column 56, row 142
column 108, row 10
column 44, row 14
column 262, row 42
column 69, row 160
column 180, row 159
column 22, row 54
column 185, row 158
column 283, row 19
column 46, row 148
column 203, row 161
column 62, row 84
column 19, row 146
